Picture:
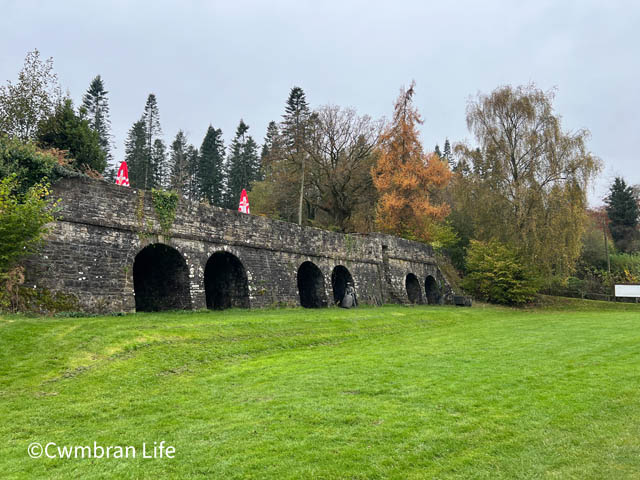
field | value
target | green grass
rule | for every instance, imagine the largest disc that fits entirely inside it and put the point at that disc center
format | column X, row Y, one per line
column 391, row 392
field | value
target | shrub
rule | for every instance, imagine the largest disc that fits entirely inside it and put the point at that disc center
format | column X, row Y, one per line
column 628, row 263
column 165, row 204
column 497, row 274
column 28, row 164
column 22, row 220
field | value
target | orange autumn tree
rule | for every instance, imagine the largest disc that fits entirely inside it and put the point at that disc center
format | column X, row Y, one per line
column 409, row 181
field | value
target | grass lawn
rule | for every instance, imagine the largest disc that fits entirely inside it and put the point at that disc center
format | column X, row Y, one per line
column 390, row 392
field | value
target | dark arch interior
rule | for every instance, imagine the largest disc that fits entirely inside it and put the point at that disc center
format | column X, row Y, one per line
column 225, row 282
column 413, row 288
column 311, row 286
column 160, row 279
column 340, row 277
column 432, row 290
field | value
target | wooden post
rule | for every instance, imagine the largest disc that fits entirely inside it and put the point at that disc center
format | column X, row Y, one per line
column 606, row 251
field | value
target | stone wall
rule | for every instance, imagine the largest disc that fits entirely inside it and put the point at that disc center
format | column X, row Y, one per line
column 101, row 228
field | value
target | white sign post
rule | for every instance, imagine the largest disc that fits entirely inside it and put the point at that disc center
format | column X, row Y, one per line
column 630, row 291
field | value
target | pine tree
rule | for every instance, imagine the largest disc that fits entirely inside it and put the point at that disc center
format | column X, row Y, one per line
column 96, row 108
column 294, row 132
column 271, row 145
column 192, row 173
column 179, row 176
column 151, row 118
column 159, row 163
column 211, row 167
column 243, row 166
column 446, row 154
column 136, row 154
column 623, row 213
column 437, row 150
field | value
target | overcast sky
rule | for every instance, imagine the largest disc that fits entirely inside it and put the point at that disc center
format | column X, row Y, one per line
column 214, row 62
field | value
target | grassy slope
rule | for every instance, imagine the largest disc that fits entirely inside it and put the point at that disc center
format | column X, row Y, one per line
column 390, row 392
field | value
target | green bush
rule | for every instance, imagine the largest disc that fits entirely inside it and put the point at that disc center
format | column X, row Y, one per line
column 625, row 262
column 23, row 220
column 29, row 165
column 165, row 204
column 496, row 273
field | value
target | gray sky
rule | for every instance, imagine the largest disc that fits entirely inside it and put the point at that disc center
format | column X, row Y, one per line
column 216, row 62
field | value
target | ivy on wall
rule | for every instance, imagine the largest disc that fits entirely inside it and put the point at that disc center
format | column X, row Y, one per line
column 349, row 243
column 165, row 204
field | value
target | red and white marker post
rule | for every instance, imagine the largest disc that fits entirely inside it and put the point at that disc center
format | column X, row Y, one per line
column 123, row 175
column 244, row 202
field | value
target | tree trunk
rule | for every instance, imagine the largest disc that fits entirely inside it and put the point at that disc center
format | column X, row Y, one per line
column 301, row 193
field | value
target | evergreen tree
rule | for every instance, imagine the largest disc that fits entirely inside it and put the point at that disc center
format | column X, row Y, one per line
column 447, row 149
column 271, row 144
column 287, row 192
column 622, row 210
column 243, row 165
column 135, row 154
column 446, row 153
column 151, row 118
column 437, row 150
column 193, row 192
column 211, row 167
column 65, row 130
column 179, row 164
column 294, row 132
column 95, row 106
column 159, row 162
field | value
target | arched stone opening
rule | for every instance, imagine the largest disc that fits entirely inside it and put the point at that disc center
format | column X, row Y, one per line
column 413, row 289
column 225, row 282
column 311, row 286
column 432, row 290
column 340, row 278
column 161, row 279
